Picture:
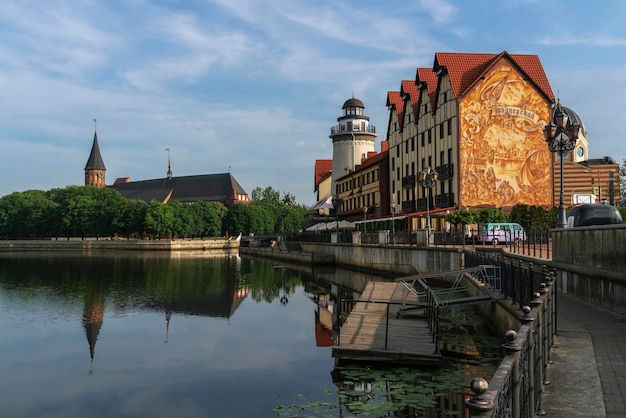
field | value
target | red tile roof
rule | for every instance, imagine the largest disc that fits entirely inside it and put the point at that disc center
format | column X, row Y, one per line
column 395, row 100
column 322, row 169
column 429, row 78
column 464, row 69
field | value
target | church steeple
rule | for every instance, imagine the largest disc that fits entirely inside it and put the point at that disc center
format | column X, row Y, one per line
column 169, row 167
column 94, row 169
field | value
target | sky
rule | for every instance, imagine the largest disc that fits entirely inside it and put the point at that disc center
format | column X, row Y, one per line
column 253, row 87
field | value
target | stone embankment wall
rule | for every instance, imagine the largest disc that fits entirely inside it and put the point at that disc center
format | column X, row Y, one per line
column 591, row 264
column 403, row 260
column 215, row 247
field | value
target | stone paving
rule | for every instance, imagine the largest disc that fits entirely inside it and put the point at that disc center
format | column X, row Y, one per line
column 588, row 373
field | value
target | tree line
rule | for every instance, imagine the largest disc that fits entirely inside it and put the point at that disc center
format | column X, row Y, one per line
column 531, row 218
column 88, row 211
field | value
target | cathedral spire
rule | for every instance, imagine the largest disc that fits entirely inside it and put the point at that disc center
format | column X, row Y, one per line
column 95, row 169
column 169, row 167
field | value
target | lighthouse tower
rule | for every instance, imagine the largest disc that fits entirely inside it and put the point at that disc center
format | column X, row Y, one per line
column 353, row 137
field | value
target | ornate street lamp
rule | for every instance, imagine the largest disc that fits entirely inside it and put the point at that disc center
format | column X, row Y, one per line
column 561, row 139
column 427, row 179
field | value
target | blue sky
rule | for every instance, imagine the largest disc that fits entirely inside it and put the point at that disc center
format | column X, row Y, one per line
column 254, row 86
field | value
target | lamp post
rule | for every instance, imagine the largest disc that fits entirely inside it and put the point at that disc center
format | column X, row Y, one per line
column 393, row 221
column 336, row 204
column 561, row 139
column 427, row 179
column 365, row 219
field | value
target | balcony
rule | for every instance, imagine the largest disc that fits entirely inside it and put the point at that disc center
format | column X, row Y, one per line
column 444, row 200
column 408, row 206
column 421, row 203
column 408, row 181
column 337, row 129
column 445, row 171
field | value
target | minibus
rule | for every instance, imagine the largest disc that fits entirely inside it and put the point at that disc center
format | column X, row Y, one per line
column 501, row 233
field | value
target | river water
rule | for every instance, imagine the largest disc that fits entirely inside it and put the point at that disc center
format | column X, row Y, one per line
column 151, row 335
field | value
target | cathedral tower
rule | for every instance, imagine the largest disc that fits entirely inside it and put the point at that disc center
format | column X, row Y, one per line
column 95, row 170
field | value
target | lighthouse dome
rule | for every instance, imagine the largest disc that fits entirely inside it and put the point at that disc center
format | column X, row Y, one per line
column 353, row 103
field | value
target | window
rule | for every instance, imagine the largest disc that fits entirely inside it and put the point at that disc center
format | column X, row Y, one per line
column 423, row 136
column 449, row 127
column 441, row 155
column 430, row 136
column 441, row 130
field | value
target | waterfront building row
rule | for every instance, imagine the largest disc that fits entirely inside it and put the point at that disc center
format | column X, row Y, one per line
column 478, row 121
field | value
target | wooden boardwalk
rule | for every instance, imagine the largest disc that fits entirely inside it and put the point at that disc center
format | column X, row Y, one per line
column 374, row 322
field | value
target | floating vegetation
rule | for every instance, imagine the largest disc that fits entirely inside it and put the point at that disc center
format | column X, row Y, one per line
column 370, row 391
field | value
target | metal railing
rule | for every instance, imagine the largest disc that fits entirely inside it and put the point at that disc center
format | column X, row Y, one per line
column 516, row 389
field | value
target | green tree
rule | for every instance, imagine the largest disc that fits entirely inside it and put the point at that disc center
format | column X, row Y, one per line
column 290, row 219
column 185, row 220
column 25, row 214
column 75, row 211
column 131, row 219
column 248, row 219
column 267, row 195
column 160, row 219
column 208, row 219
column 492, row 215
column 107, row 208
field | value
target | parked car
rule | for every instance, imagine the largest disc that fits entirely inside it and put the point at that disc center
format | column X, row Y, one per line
column 593, row 214
column 501, row 232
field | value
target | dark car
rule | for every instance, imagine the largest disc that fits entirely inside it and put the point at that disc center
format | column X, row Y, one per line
column 593, row 214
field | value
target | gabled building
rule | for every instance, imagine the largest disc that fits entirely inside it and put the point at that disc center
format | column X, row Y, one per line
column 363, row 193
column 205, row 187
column 477, row 119
column 323, row 186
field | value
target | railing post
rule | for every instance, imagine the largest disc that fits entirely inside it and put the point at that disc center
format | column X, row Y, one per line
column 544, row 290
column 513, row 347
column 477, row 405
column 534, row 371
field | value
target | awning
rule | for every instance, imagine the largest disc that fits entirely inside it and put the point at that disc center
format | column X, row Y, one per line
column 391, row 218
column 324, row 203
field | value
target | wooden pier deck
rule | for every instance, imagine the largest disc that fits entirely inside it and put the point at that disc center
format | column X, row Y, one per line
column 374, row 322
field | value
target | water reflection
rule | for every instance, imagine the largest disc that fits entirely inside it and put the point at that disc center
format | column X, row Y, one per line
column 152, row 335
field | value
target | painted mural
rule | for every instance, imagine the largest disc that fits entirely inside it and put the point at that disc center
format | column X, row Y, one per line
column 504, row 157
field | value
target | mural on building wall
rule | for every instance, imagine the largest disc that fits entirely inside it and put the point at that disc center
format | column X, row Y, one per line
column 504, row 157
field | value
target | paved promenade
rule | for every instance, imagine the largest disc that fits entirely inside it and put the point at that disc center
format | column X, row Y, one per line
column 588, row 374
